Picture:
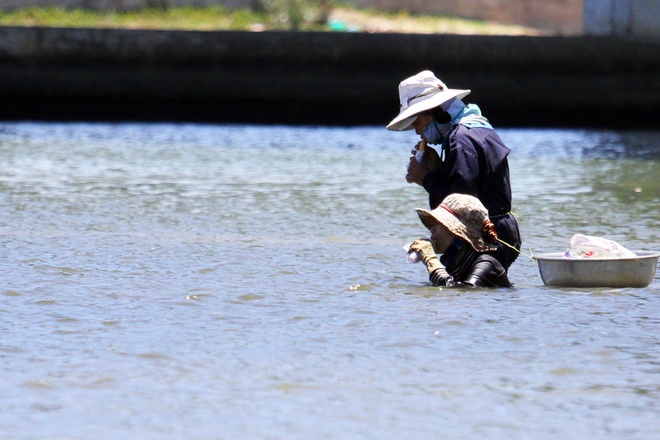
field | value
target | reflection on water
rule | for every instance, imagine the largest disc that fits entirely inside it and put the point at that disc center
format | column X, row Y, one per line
column 610, row 191
column 164, row 279
column 578, row 144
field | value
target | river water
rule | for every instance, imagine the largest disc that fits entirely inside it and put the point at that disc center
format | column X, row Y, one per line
column 248, row 282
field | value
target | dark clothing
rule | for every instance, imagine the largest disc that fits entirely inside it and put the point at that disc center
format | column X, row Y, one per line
column 487, row 272
column 475, row 163
column 473, row 270
column 507, row 231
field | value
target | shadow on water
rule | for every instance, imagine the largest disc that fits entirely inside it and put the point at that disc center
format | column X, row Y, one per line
column 600, row 144
column 634, row 144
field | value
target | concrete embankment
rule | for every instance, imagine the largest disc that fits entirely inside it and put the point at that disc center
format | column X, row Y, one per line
column 320, row 78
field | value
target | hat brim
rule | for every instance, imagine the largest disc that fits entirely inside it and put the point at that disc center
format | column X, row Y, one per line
column 404, row 120
column 430, row 219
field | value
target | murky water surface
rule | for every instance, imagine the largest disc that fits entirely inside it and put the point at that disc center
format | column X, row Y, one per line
column 207, row 282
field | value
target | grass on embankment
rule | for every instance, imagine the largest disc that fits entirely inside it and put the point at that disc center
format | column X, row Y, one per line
column 219, row 18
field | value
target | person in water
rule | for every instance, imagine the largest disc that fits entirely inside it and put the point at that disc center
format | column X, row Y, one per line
column 462, row 232
column 470, row 157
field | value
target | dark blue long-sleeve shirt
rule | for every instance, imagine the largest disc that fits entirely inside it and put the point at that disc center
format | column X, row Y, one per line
column 475, row 163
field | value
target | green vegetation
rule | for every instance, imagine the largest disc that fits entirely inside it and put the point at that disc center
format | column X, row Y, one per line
column 274, row 15
column 211, row 18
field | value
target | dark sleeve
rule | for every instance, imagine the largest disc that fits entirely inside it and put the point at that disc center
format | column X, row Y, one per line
column 459, row 172
column 487, row 272
column 440, row 278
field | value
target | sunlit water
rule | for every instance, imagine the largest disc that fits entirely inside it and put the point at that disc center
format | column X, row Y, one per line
column 243, row 282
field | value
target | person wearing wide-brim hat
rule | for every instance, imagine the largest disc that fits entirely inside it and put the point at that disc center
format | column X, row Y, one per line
column 470, row 158
column 462, row 232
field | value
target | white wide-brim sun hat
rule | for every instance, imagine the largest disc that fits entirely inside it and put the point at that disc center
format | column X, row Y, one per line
column 419, row 93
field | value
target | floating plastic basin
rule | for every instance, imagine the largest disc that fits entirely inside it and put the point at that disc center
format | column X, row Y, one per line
column 557, row 270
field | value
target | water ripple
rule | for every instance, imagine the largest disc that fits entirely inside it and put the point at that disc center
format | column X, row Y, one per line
column 162, row 279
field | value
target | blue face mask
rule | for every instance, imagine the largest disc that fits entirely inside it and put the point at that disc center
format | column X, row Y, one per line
column 431, row 133
column 435, row 133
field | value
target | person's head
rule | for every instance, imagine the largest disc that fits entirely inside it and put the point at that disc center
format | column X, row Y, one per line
column 437, row 114
column 462, row 216
column 422, row 93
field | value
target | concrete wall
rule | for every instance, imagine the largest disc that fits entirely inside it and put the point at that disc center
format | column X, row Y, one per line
column 320, row 78
column 622, row 17
column 561, row 16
